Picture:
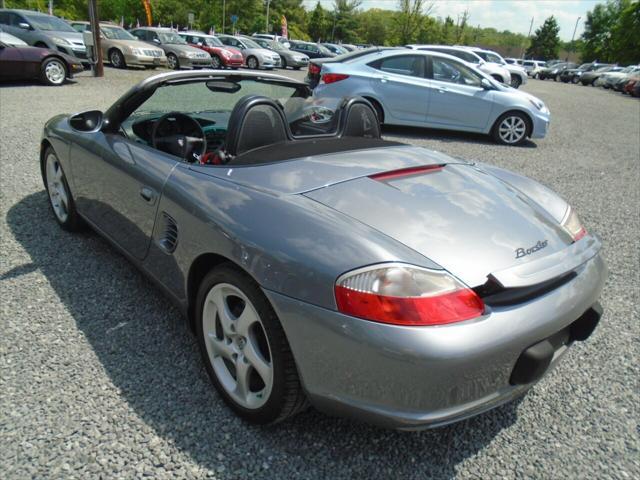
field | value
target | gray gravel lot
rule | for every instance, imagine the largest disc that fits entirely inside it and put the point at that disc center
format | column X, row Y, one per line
column 100, row 378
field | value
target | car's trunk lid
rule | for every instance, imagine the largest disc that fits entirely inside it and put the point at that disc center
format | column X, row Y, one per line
column 465, row 220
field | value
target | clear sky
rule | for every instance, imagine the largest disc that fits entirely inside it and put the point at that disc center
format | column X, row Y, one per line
column 513, row 15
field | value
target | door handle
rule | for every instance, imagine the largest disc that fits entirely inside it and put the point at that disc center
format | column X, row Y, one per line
column 442, row 90
column 148, row 195
column 384, row 79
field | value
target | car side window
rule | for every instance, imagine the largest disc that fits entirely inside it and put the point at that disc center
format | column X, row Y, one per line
column 153, row 36
column 138, row 34
column 407, row 65
column 445, row 70
column 4, row 18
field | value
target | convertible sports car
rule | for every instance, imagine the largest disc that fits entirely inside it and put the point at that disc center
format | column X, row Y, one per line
column 317, row 262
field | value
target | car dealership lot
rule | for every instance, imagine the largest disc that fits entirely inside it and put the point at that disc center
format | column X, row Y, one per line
column 100, row 376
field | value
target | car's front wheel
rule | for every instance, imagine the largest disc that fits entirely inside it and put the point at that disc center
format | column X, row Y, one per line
column 117, row 59
column 54, row 71
column 511, row 128
column 215, row 62
column 60, row 198
column 252, row 63
column 515, row 81
column 244, row 348
column 173, row 62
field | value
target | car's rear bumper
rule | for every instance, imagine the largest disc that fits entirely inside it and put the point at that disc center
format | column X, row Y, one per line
column 421, row 377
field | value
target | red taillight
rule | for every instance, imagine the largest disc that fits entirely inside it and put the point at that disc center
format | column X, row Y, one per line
column 573, row 226
column 333, row 77
column 405, row 172
column 406, row 295
column 313, row 68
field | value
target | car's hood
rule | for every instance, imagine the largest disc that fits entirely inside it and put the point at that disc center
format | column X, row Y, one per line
column 262, row 51
column 468, row 221
column 72, row 37
column 176, row 47
column 132, row 44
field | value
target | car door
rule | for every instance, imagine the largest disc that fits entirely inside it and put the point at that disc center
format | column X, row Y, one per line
column 118, row 183
column 12, row 65
column 400, row 84
column 458, row 99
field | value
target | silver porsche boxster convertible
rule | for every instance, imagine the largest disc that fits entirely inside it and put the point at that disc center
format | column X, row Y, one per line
column 320, row 264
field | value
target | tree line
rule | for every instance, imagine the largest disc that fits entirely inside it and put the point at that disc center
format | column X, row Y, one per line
column 611, row 29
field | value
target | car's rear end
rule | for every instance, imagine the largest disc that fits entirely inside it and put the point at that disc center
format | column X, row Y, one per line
column 315, row 64
column 508, row 281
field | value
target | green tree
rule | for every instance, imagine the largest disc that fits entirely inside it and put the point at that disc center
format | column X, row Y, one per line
column 408, row 20
column 625, row 34
column 319, row 24
column 345, row 20
column 545, row 44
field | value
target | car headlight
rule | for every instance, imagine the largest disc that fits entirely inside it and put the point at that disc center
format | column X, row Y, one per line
column 60, row 41
column 571, row 223
column 226, row 53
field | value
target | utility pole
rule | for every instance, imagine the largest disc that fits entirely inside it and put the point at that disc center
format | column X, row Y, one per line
column 571, row 46
column 98, row 68
column 266, row 27
column 528, row 36
column 224, row 15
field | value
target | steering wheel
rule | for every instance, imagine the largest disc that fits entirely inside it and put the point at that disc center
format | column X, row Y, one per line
column 180, row 135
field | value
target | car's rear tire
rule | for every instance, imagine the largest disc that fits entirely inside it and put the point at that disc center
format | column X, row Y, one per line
column 252, row 63
column 60, row 198
column 173, row 62
column 516, row 82
column 512, row 128
column 498, row 78
column 215, row 62
column 244, row 348
column 378, row 108
column 117, row 59
column 53, row 71
column 283, row 63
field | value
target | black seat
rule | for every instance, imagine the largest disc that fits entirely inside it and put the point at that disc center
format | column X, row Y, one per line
column 255, row 121
column 359, row 119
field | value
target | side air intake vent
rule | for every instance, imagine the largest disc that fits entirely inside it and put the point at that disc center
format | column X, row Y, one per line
column 169, row 238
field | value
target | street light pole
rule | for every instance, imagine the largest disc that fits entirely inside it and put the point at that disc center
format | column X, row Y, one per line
column 266, row 28
column 224, row 15
column 572, row 38
column 98, row 68
column 528, row 36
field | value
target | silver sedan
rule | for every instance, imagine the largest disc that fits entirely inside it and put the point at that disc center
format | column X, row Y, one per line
column 430, row 89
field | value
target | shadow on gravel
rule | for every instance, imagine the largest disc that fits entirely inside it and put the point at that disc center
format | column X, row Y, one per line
column 390, row 132
column 152, row 360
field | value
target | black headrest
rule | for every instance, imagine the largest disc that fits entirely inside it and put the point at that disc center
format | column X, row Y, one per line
column 359, row 119
column 255, row 121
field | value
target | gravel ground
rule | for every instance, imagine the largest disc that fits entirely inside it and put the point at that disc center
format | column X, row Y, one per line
column 101, row 379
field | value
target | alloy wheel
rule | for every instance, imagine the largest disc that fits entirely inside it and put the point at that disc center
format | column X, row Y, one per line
column 252, row 63
column 237, row 346
column 215, row 62
column 512, row 129
column 58, row 194
column 172, row 60
column 55, row 72
column 116, row 60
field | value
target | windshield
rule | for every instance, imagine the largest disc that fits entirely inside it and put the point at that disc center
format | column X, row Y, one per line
column 250, row 43
column 324, row 50
column 490, row 57
column 276, row 46
column 171, row 38
column 210, row 103
column 49, row 24
column 116, row 33
column 213, row 42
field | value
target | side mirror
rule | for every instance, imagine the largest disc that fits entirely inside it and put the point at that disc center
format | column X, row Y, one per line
column 486, row 84
column 199, row 44
column 156, row 40
column 87, row 122
column 24, row 26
